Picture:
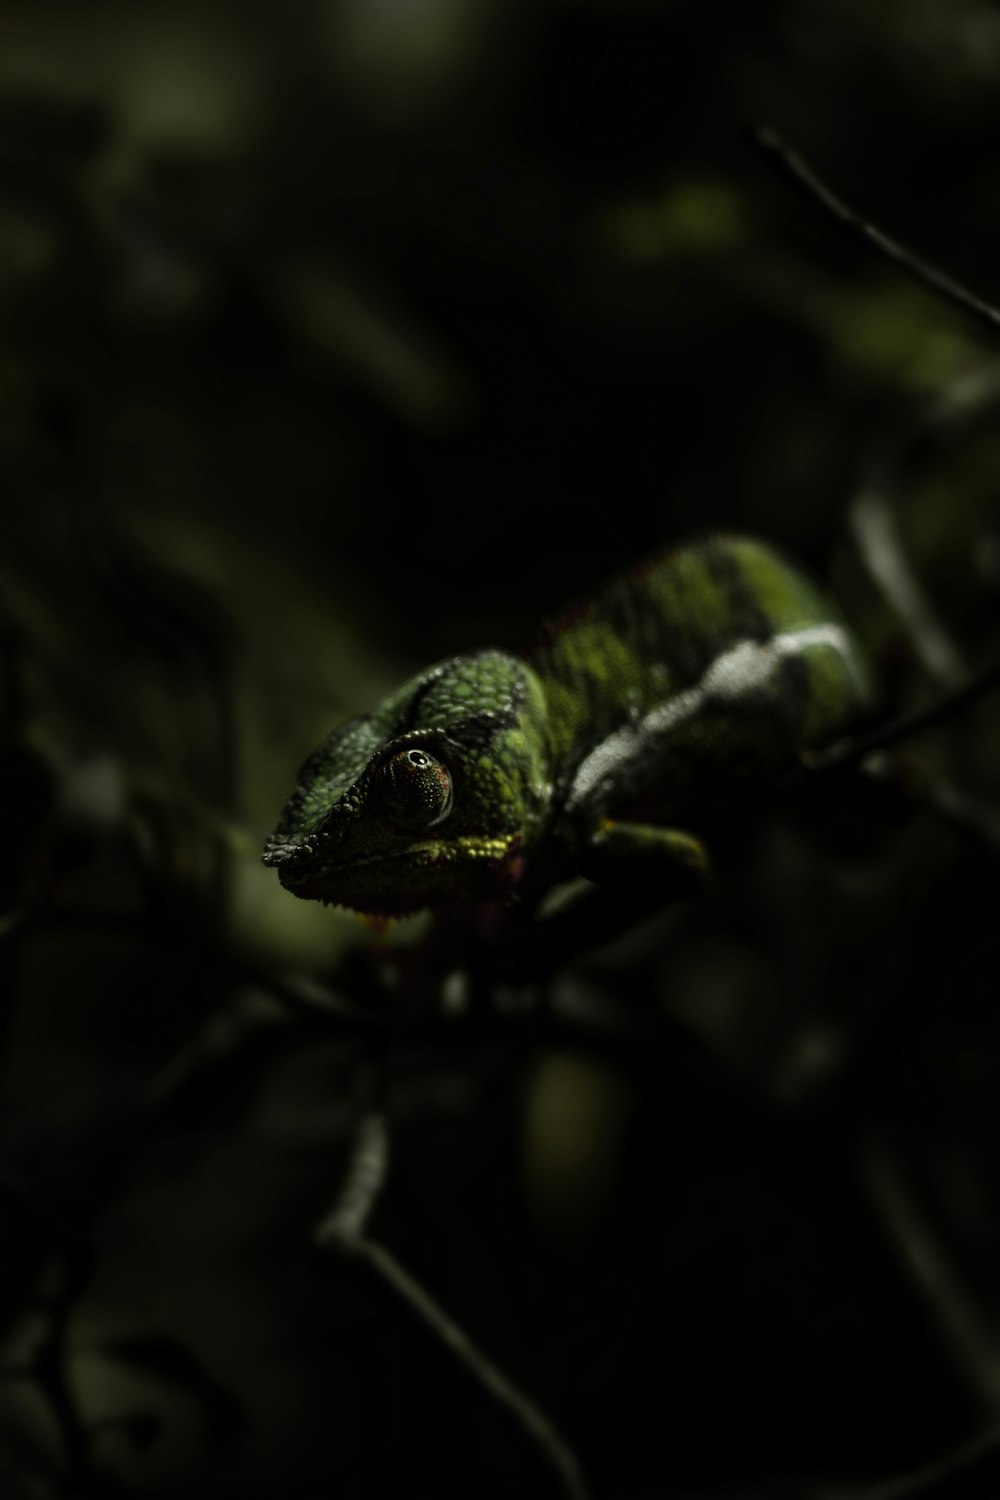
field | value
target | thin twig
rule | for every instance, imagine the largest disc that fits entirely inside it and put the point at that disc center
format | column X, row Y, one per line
column 343, row 1230
column 345, row 1223
column 50, row 1371
column 960, row 1467
column 871, row 518
column 304, row 996
column 488, row 1376
column 971, row 1337
column 48, row 1364
column 876, row 532
column 938, row 1479
column 908, row 726
column 980, row 818
column 773, row 145
column 874, row 518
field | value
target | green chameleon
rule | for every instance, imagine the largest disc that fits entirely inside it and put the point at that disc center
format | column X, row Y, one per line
column 686, row 680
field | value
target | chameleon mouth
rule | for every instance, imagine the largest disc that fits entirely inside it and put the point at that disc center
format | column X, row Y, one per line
column 282, row 847
column 398, row 881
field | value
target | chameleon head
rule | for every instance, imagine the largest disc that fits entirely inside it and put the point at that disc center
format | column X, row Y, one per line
column 434, row 811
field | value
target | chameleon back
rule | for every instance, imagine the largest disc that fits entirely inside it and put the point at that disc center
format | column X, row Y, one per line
column 712, row 662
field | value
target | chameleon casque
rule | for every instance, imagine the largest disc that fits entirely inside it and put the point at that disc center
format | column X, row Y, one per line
column 713, row 665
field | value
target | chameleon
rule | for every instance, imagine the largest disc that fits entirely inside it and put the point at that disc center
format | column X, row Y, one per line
column 685, row 681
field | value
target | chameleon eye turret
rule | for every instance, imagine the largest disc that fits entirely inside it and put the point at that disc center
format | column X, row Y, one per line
column 416, row 790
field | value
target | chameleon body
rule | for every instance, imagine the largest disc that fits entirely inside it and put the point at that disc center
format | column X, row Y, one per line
column 713, row 665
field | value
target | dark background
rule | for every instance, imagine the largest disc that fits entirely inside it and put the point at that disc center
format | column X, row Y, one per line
column 337, row 338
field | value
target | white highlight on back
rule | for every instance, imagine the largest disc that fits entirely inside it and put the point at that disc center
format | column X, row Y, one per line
column 738, row 672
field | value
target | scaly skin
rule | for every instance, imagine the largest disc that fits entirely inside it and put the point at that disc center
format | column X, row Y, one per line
column 715, row 664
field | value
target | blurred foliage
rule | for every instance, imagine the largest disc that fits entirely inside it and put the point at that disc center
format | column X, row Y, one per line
column 342, row 336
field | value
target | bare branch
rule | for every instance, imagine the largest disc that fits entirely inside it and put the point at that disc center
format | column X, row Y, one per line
column 343, row 1230
column 529, row 1416
column 770, row 143
column 345, row 1223
column 971, row 1337
column 907, row 726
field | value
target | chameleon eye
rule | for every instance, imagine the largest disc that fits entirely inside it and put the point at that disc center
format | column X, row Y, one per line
column 418, row 790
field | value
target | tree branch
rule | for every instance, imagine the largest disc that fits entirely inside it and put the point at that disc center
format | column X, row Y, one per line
column 771, row 144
